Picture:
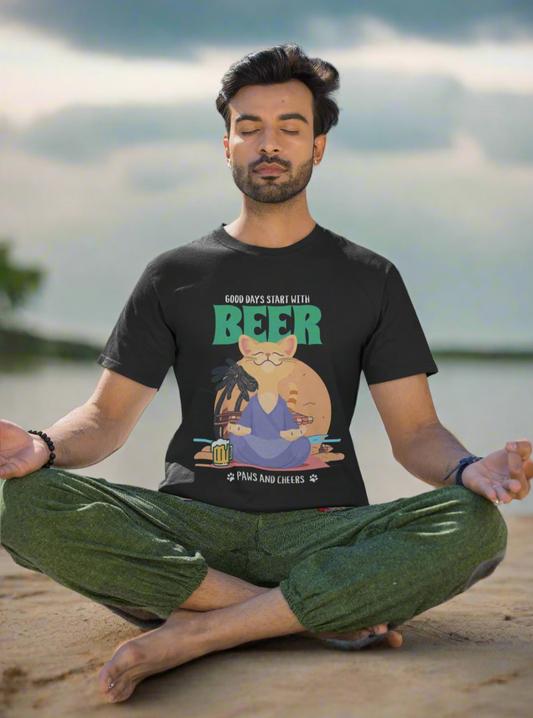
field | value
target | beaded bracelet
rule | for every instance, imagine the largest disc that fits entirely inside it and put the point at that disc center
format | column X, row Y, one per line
column 50, row 446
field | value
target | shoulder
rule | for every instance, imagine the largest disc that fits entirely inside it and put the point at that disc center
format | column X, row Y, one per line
column 364, row 270
column 359, row 256
column 181, row 261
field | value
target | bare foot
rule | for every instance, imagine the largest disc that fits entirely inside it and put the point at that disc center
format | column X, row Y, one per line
column 178, row 640
column 394, row 639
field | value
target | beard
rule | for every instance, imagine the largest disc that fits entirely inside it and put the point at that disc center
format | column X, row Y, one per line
column 272, row 190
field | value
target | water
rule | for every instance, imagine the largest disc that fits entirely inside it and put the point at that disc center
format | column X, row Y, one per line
column 483, row 403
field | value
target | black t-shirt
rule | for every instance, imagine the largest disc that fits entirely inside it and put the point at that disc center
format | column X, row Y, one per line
column 267, row 346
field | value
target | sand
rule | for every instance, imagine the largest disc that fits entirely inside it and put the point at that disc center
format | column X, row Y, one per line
column 472, row 656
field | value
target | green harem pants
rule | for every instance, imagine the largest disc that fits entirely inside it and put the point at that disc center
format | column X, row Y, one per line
column 343, row 569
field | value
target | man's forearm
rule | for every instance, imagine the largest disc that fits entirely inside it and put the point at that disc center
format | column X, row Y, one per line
column 83, row 437
column 431, row 454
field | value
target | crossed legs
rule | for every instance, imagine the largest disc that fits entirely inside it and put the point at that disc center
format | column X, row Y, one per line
column 116, row 545
column 223, row 613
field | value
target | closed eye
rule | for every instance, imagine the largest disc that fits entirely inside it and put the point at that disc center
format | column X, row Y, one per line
column 290, row 132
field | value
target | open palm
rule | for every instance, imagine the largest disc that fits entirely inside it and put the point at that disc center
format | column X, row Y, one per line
column 20, row 453
column 502, row 475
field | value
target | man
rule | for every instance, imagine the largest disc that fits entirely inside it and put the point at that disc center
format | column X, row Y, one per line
column 263, row 528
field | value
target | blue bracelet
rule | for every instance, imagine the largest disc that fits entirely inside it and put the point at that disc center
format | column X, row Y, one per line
column 463, row 463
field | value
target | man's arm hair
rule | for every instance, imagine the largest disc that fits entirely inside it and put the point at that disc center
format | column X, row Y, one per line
column 82, row 438
column 92, row 432
column 432, row 453
column 419, row 442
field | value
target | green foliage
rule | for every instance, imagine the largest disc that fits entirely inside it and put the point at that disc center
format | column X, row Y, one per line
column 17, row 284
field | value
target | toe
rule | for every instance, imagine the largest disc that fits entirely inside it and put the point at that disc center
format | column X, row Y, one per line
column 126, row 657
column 108, row 676
column 379, row 628
column 120, row 691
column 395, row 639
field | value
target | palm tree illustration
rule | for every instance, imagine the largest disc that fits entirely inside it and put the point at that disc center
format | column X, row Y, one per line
column 227, row 378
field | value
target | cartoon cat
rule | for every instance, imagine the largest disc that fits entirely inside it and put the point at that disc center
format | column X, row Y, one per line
column 267, row 435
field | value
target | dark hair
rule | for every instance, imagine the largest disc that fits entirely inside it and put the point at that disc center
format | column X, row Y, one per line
column 279, row 64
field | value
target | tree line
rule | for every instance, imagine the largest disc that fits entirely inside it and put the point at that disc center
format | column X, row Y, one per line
column 17, row 283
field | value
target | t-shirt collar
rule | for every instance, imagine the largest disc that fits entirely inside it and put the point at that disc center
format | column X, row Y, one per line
column 222, row 236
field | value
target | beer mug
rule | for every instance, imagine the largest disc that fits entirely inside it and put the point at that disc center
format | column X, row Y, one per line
column 222, row 452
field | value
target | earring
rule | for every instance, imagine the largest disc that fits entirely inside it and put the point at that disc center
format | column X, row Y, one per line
column 316, row 161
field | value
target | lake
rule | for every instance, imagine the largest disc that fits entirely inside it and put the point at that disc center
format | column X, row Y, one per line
column 483, row 402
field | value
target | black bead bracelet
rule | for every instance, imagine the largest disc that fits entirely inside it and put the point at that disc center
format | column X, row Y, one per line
column 50, row 446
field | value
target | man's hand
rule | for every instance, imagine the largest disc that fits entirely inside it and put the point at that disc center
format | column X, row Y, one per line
column 503, row 475
column 20, row 453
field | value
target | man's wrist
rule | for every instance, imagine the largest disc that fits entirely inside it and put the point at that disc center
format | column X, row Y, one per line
column 430, row 449
column 43, row 442
column 452, row 477
column 467, row 471
column 465, row 464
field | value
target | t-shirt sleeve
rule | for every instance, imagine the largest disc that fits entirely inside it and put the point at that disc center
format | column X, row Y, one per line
column 397, row 347
column 141, row 346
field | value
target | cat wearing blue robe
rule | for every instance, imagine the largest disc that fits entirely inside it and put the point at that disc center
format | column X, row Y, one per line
column 266, row 434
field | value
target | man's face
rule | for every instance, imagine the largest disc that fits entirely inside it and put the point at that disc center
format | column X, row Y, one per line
column 269, row 140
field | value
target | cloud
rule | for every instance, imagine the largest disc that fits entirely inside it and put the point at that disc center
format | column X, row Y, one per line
column 457, row 225
column 170, row 166
column 173, row 29
column 384, row 111
column 380, row 112
column 503, row 124
column 7, row 131
column 86, row 134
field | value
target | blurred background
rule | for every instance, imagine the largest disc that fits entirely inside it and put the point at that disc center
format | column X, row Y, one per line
column 111, row 153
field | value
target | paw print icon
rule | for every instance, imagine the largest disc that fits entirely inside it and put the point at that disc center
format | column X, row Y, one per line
column 230, row 477
column 313, row 477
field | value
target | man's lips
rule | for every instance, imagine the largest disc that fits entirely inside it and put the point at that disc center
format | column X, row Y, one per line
column 269, row 169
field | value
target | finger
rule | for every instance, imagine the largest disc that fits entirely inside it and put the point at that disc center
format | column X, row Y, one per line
column 502, row 494
column 7, row 471
column 486, row 489
column 493, row 491
column 516, row 472
column 513, row 486
column 522, row 446
column 525, row 457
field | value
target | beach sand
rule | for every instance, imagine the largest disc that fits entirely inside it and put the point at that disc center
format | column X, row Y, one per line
column 472, row 656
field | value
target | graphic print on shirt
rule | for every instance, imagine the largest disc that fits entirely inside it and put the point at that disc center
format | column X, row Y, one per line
column 272, row 411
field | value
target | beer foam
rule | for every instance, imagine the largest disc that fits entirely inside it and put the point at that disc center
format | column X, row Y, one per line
column 220, row 442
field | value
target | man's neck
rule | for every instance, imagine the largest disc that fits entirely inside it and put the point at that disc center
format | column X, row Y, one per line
column 275, row 231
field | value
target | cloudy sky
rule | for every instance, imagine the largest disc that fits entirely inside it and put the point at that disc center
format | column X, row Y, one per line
column 111, row 147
